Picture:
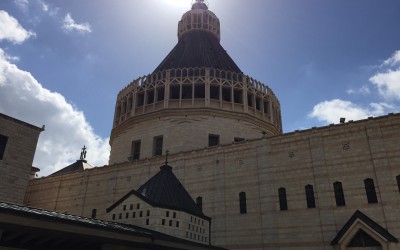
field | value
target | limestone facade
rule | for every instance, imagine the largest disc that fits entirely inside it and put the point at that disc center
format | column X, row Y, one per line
column 352, row 154
column 17, row 148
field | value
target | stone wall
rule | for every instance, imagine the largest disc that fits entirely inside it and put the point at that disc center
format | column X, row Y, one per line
column 15, row 167
column 348, row 153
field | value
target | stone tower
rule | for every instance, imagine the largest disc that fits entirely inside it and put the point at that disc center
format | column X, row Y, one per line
column 197, row 97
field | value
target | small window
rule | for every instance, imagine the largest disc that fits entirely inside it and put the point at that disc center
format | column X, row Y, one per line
column 140, row 99
column 148, row 213
column 339, row 194
column 160, row 94
column 94, row 213
column 370, row 191
column 310, row 196
column 134, row 215
column 250, row 100
column 242, row 203
column 266, row 107
column 124, row 207
column 3, row 143
column 147, row 221
column 150, row 96
column 282, row 199
column 170, row 223
column 163, row 222
column 398, row 181
column 157, row 145
column 174, row 215
column 214, row 92
column 127, row 215
column 186, row 91
column 199, row 91
column 177, row 224
column 131, row 207
column 174, row 92
column 258, row 103
column 113, row 216
column 167, row 214
column 213, row 140
column 120, row 216
column 199, row 201
column 238, row 96
column 138, row 206
column 226, row 94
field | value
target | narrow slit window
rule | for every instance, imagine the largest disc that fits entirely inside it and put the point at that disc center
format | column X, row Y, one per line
column 199, row 201
column 258, row 103
column 135, row 153
column 310, row 196
column 157, row 145
column 339, row 194
column 3, row 143
column 250, row 100
column 266, row 107
column 238, row 139
column 398, row 181
column 282, row 199
column 370, row 191
column 242, row 203
column 94, row 213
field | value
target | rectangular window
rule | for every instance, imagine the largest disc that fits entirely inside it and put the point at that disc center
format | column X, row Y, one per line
column 138, row 206
column 157, row 145
column 370, row 191
column 213, row 140
column 148, row 213
column 226, row 94
column 177, row 224
column 174, row 215
column 131, row 207
column 3, row 143
column 140, row 99
column 135, row 150
column 199, row 91
column 163, row 222
column 250, row 100
column 238, row 139
column 124, row 207
column 127, row 215
column 309, row 189
column 147, row 221
column 150, row 96
column 214, row 92
column 242, row 202
column 141, row 214
column 339, row 194
column 170, row 223
column 160, row 94
column 167, row 214
column 282, row 199
column 238, row 96
column 174, row 92
column 134, row 215
column 113, row 216
column 120, row 216
column 186, row 91
column 266, row 107
column 258, row 103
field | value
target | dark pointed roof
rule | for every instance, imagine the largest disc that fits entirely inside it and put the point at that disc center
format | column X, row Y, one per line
column 368, row 221
column 198, row 48
column 166, row 191
column 79, row 165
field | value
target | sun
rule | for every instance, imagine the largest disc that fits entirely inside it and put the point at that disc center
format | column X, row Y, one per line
column 179, row 3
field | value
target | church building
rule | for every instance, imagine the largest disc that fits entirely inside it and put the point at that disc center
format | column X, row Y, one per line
column 229, row 177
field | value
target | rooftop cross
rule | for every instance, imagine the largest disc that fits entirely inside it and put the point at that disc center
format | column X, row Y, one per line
column 83, row 153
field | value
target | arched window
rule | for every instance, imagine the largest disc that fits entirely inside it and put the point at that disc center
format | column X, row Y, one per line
column 282, row 199
column 370, row 191
column 310, row 196
column 339, row 194
column 242, row 202
column 398, row 181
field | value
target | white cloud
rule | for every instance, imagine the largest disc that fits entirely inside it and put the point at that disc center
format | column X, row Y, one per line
column 332, row 111
column 45, row 7
column 67, row 130
column 11, row 30
column 388, row 81
column 364, row 90
column 69, row 24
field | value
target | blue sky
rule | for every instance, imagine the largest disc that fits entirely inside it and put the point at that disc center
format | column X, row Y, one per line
column 62, row 63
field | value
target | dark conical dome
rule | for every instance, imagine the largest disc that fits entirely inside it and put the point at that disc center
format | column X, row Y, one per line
column 198, row 48
column 199, row 43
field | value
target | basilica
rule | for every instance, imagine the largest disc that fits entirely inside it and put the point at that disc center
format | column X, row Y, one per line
column 199, row 161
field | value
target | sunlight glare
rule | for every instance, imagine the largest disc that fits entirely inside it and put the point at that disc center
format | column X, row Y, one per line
column 179, row 3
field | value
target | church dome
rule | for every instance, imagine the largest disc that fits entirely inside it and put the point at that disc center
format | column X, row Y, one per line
column 197, row 97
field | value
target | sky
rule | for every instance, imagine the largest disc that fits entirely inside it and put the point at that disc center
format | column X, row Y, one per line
column 62, row 63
